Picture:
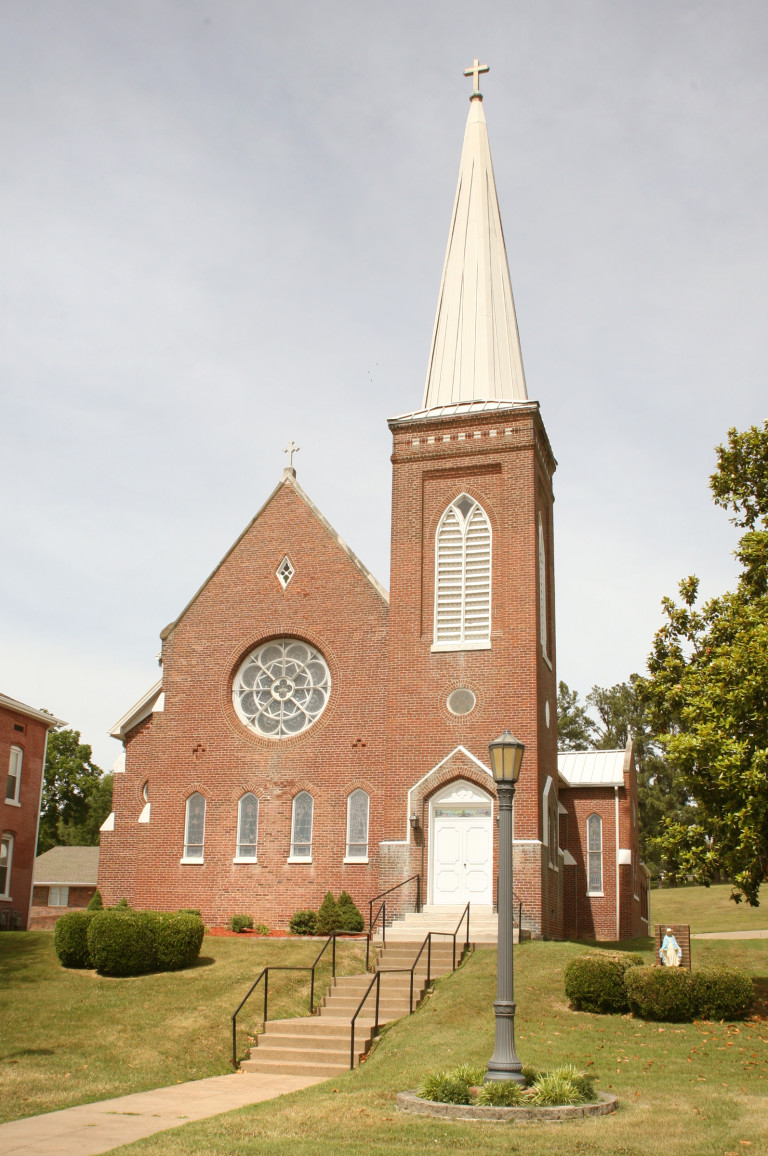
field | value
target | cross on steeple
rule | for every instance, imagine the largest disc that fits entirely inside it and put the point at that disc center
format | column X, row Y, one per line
column 474, row 72
column 291, row 449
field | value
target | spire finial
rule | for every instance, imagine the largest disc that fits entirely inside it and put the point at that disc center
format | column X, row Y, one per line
column 474, row 72
column 291, row 449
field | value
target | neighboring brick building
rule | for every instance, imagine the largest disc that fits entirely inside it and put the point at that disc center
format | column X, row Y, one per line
column 64, row 880
column 23, row 741
column 310, row 731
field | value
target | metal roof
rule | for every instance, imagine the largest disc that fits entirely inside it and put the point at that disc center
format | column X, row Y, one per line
column 67, row 865
column 592, row 768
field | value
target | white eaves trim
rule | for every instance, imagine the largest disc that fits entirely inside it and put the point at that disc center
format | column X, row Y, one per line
column 31, row 712
column 150, row 703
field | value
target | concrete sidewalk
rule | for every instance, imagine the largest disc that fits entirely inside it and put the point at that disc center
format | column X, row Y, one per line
column 90, row 1129
column 731, row 935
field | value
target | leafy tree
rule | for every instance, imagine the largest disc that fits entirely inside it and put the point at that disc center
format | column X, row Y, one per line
column 708, row 690
column 575, row 729
column 76, row 797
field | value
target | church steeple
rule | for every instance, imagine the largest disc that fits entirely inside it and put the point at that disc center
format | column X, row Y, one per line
column 475, row 352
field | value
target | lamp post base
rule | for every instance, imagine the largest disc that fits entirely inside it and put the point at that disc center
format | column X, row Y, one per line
column 504, row 1064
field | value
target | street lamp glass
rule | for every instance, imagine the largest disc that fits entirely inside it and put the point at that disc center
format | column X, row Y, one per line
column 506, row 758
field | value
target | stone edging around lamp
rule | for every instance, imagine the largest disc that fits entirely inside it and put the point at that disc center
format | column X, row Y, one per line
column 485, row 1114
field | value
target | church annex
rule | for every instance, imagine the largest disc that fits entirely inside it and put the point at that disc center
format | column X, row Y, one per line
column 311, row 731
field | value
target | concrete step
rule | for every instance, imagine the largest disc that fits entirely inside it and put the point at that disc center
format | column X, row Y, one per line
column 293, row 1067
column 308, row 1043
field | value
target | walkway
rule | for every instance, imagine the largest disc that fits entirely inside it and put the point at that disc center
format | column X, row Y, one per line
column 90, row 1129
column 731, row 935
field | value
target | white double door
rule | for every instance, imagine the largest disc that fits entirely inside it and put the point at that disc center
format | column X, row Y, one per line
column 461, row 819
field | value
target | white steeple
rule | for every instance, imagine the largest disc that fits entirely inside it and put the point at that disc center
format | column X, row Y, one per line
column 475, row 346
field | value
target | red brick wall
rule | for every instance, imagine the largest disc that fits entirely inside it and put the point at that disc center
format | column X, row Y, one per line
column 41, row 915
column 21, row 821
column 505, row 463
column 198, row 743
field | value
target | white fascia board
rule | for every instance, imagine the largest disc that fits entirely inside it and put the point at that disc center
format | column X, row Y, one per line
column 31, row 712
column 149, row 703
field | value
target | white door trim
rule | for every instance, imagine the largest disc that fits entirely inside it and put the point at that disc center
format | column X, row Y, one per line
column 467, row 796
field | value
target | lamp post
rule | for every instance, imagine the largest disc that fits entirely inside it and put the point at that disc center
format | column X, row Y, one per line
column 506, row 758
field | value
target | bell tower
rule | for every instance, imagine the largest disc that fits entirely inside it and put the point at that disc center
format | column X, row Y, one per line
column 471, row 627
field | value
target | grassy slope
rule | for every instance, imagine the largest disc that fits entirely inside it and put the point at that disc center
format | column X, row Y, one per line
column 706, row 909
column 700, row 1086
column 69, row 1037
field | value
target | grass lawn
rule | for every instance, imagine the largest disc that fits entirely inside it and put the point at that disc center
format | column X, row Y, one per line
column 70, row 1037
column 706, row 909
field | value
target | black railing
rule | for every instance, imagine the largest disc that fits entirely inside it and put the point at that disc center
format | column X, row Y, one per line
column 518, row 901
column 382, row 910
column 264, row 975
column 411, row 970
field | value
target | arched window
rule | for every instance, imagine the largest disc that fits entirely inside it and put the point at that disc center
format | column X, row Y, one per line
column 357, row 825
column 463, row 577
column 6, row 858
column 301, row 826
column 594, row 855
column 247, row 827
column 13, row 784
column 194, row 830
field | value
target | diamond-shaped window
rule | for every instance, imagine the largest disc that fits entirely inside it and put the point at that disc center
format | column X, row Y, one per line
column 285, row 572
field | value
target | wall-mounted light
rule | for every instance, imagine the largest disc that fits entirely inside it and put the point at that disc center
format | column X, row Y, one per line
column 414, row 821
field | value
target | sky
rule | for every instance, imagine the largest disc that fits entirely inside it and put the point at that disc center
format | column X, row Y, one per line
column 224, row 227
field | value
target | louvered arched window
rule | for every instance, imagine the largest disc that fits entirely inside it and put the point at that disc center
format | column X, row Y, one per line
column 463, row 577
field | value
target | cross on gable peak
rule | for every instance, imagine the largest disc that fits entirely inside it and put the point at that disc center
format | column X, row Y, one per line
column 474, row 72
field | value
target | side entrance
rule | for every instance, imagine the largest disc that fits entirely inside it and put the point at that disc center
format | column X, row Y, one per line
column 461, row 838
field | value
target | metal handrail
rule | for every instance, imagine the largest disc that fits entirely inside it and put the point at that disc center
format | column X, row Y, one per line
column 389, row 891
column 519, row 902
column 377, row 980
column 264, row 974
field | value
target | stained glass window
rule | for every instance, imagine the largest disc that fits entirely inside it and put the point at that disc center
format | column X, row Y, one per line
column 301, row 827
column 195, row 827
column 357, row 825
column 281, row 688
column 594, row 855
column 247, row 827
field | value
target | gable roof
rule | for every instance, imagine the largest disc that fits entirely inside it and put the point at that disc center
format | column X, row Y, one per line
column 150, row 702
column 67, row 865
column 288, row 479
column 593, row 768
column 31, row 712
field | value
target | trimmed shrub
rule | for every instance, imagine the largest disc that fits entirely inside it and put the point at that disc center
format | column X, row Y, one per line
column 261, row 928
column 241, row 923
column 179, row 939
column 722, row 993
column 351, row 919
column 189, row 911
column 124, row 942
column 329, row 917
column 95, row 903
column 502, row 1094
column 303, row 923
column 661, row 993
column 123, row 903
column 70, row 938
column 597, row 983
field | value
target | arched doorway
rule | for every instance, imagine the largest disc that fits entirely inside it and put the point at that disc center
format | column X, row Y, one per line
column 461, row 830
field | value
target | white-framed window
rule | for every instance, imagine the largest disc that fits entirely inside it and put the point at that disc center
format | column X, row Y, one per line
column 6, row 862
column 463, row 577
column 194, row 828
column 543, row 625
column 13, row 783
column 58, row 896
column 358, row 806
column 594, row 855
column 301, row 827
column 247, row 827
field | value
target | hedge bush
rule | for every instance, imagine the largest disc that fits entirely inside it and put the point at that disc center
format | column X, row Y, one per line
column 95, row 903
column 662, row 993
column 596, row 983
column 303, row 923
column 241, row 923
column 329, row 918
column 722, row 993
column 179, row 939
column 124, row 942
column 70, row 938
column 351, row 918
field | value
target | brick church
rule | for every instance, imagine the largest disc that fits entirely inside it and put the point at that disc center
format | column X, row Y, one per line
column 312, row 731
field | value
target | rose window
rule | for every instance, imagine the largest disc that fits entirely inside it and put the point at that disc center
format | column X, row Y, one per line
column 281, row 688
